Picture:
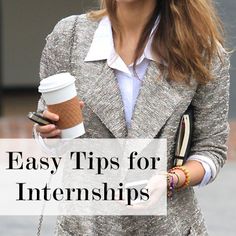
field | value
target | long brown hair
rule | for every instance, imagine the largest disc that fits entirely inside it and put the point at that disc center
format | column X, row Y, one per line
column 186, row 39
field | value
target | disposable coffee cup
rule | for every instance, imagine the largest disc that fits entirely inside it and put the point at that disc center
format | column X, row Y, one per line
column 59, row 93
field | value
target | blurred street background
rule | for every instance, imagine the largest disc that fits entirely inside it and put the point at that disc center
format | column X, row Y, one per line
column 24, row 25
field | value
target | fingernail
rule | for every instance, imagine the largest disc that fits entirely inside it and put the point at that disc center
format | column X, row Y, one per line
column 52, row 126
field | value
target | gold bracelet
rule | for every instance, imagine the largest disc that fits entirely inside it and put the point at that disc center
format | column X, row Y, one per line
column 186, row 173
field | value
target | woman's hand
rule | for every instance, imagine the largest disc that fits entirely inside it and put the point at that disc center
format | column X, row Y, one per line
column 156, row 189
column 51, row 131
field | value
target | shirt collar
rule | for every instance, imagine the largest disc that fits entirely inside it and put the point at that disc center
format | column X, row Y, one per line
column 102, row 47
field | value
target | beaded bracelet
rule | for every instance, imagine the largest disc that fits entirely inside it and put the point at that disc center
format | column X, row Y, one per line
column 170, row 184
column 177, row 176
column 186, row 173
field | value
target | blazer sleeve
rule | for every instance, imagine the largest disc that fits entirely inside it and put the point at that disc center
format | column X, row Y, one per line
column 55, row 56
column 211, row 106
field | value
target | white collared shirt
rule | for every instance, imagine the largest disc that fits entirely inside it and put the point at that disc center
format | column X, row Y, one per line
column 102, row 48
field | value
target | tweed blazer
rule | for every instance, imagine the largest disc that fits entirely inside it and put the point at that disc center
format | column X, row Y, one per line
column 157, row 113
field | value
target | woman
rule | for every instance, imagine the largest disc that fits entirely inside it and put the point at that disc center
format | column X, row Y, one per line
column 139, row 64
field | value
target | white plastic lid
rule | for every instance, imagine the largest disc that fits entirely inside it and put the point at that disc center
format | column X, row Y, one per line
column 56, row 82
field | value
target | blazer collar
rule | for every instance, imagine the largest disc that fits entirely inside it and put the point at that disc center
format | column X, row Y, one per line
column 157, row 100
column 102, row 46
column 98, row 88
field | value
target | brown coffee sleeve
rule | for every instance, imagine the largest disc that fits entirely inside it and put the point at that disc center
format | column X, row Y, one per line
column 69, row 112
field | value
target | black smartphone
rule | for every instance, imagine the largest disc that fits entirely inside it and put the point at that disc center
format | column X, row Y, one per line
column 39, row 119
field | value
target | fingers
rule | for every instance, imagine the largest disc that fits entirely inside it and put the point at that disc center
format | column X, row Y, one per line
column 81, row 103
column 45, row 128
column 54, row 134
column 48, row 131
column 51, row 116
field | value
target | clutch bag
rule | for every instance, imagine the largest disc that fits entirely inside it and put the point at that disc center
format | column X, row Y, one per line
column 184, row 137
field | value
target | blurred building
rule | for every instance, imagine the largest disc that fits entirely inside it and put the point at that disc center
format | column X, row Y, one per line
column 24, row 26
column 26, row 23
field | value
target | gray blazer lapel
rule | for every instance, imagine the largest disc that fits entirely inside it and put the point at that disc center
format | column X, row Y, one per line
column 96, row 83
column 156, row 102
column 98, row 88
